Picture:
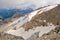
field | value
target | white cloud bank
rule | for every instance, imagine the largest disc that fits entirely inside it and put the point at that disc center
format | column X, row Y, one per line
column 27, row 3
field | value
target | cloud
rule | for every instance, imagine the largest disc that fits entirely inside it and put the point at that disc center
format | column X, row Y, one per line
column 26, row 3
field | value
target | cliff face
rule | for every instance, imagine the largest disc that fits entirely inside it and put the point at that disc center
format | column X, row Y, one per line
column 51, row 16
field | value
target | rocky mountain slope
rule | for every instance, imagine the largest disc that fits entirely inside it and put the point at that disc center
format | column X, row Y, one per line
column 44, row 26
column 51, row 16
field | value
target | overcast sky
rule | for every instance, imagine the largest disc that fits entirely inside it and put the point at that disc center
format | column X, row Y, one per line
column 26, row 3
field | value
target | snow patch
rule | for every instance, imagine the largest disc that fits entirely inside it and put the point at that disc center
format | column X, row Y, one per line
column 30, row 34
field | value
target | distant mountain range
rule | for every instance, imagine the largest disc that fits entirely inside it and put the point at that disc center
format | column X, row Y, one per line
column 7, row 13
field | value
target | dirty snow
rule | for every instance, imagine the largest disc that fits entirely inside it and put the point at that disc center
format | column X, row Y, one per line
column 27, row 34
